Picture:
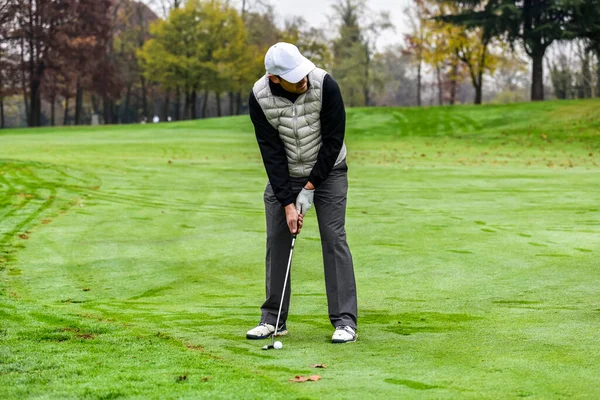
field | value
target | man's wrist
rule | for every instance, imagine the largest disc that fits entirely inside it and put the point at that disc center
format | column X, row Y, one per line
column 309, row 186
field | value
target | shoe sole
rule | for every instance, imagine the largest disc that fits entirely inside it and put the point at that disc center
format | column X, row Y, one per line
column 344, row 341
column 253, row 337
column 337, row 341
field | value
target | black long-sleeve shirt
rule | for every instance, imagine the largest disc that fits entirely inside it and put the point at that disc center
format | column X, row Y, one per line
column 333, row 126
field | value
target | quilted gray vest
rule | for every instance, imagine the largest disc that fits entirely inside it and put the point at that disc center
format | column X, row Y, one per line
column 298, row 124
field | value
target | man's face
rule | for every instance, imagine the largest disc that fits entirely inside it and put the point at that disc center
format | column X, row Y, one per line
column 297, row 88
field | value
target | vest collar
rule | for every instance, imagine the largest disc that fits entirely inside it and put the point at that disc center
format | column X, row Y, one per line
column 277, row 90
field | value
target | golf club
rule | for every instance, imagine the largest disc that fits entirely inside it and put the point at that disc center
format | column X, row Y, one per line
column 287, row 273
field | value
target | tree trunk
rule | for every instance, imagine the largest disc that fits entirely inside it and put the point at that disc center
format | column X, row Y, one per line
column 479, row 87
column 35, row 117
column 53, row 110
column 238, row 103
column 597, row 72
column 78, row 103
column 144, row 97
column 586, row 75
column 36, row 70
column 26, row 103
column 186, row 104
column 66, row 114
column 537, row 76
column 419, row 82
column 366, row 93
column 231, row 105
column 438, row 72
column 598, row 76
column 106, row 111
column 453, row 78
column 114, row 112
column 23, row 80
column 193, row 97
column 2, row 113
column 478, row 93
column 177, row 104
column 167, row 105
column 204, row 103
column 218, row 97
column 125, row 113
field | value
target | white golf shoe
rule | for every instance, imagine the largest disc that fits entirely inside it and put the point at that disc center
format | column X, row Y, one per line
column 344, row 334
column 264, row 330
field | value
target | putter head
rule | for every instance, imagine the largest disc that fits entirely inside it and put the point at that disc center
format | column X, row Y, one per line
column 268, row 347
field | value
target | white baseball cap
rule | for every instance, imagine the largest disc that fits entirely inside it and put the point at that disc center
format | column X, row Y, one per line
column 284, row 60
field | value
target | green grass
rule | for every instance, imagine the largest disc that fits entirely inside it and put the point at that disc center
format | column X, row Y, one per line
column 131, row 260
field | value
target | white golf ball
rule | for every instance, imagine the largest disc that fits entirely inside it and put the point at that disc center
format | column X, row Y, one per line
column 278, row 345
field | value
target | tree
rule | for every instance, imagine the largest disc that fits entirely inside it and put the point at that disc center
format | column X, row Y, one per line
column 8, row 68
column 131, row 31
column 376, row 25
column 169, row 57
column 355, row 47
column 473, row 48
column 311, row 41
column 561, row 76
column 584, row 23
column 415, row 43
column 392, row 81
column 50, row 34
column 536, row 24
column 584, row 76
column 261, row 33
column 200, row 48
column 223, row 51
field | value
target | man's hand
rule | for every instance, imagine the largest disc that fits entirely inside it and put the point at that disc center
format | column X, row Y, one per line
column 294, row 220
column 304, row 200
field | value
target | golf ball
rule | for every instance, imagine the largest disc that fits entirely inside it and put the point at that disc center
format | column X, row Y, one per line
column 278, row 345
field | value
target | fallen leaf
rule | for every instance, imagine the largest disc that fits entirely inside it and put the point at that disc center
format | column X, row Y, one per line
column 301, row 379
column 86, row 289
column 170, row 162
column 24, row 236
column 46, row 221
column 318, row 366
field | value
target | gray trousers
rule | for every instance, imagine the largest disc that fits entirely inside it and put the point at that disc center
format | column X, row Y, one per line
column 330, row 206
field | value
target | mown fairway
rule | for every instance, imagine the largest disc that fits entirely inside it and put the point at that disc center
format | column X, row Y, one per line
column 131, row 260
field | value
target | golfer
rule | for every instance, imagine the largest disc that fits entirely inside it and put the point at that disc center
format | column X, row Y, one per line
column 299, row 120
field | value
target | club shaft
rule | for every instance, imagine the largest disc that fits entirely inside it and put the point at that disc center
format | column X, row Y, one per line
column 287, row 274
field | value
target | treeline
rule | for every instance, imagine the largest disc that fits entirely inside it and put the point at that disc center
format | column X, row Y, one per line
column 469, row 39
column 68, row 62
column 77, row 62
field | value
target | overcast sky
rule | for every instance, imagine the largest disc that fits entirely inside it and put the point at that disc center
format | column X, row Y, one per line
column 318, row 13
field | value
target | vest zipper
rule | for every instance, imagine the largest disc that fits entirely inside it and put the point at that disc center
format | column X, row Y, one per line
column 295, row 128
